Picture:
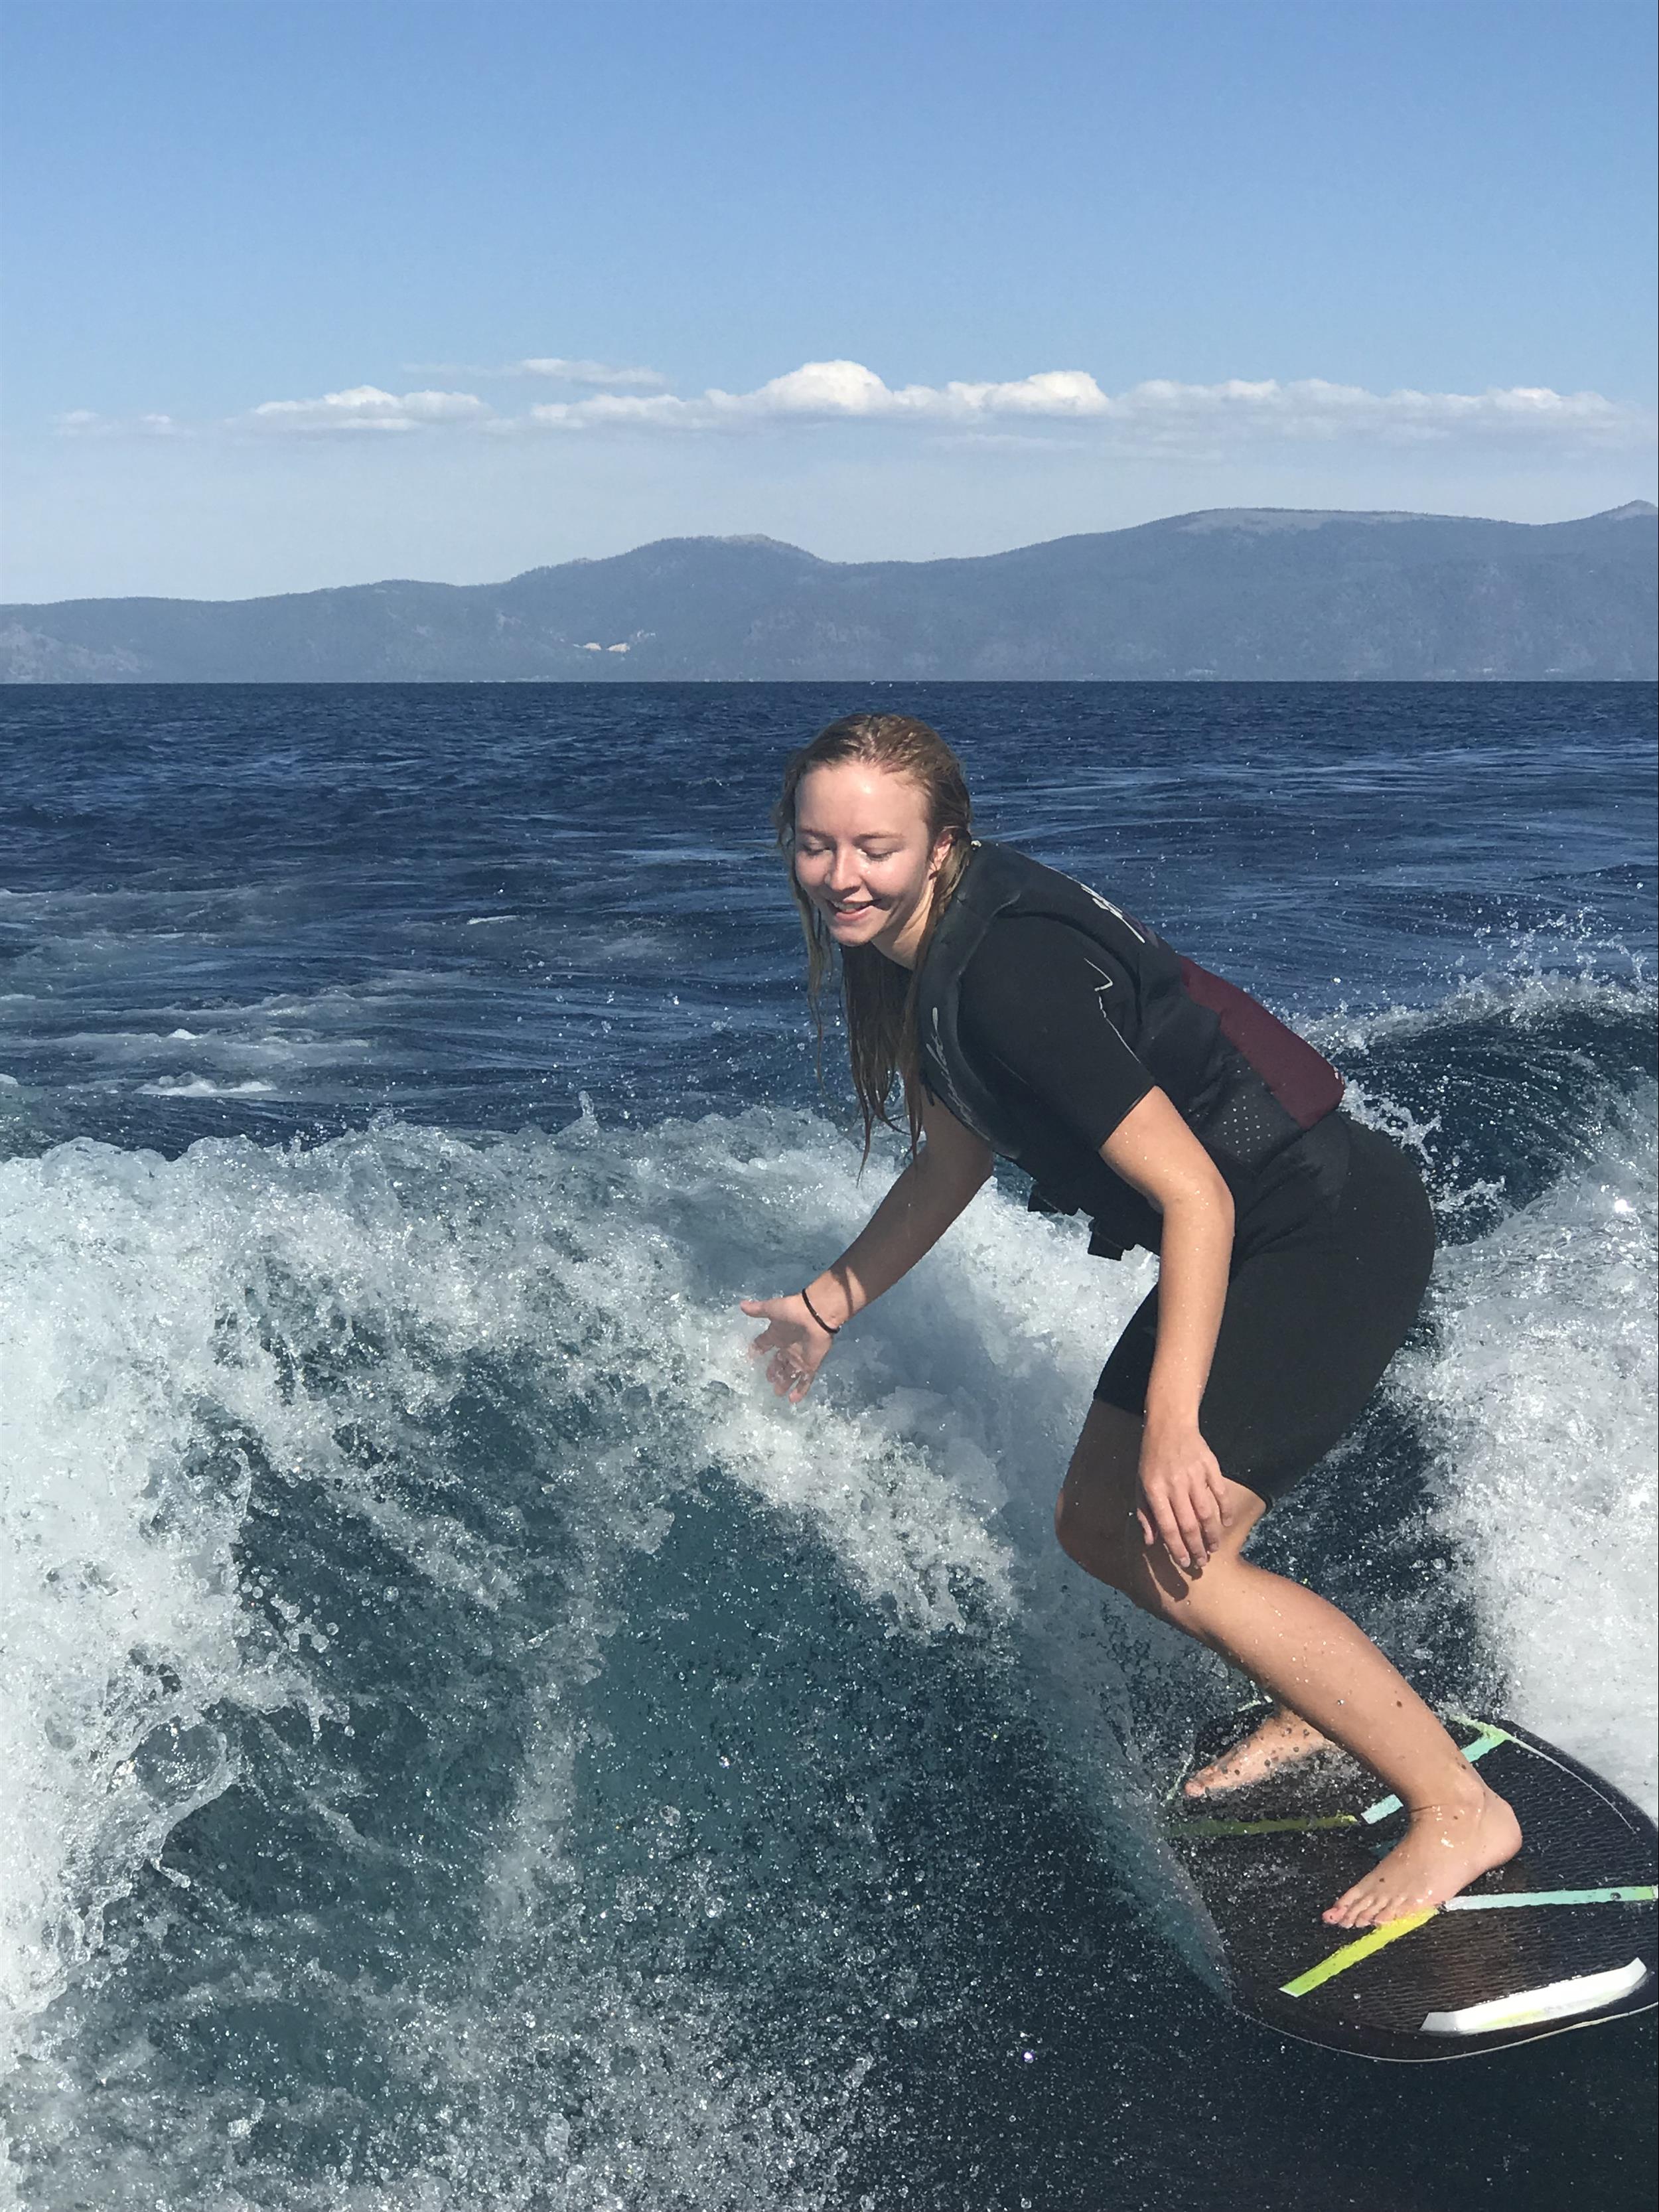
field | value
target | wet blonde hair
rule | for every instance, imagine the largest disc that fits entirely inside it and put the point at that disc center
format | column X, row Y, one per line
column 877, row 997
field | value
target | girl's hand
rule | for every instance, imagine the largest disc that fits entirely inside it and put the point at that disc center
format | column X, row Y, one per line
column 1184, row 1503
column 797, row 1345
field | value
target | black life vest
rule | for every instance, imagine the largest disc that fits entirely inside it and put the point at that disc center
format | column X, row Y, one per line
column 1247, row 1086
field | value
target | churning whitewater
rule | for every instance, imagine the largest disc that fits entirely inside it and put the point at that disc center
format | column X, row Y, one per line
column 467, row 1745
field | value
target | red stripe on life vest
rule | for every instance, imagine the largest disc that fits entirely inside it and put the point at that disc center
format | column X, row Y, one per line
column 1306, row 1086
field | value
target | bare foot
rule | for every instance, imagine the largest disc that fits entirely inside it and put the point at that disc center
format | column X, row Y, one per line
column 1445, row 1848
column 1283, row 1738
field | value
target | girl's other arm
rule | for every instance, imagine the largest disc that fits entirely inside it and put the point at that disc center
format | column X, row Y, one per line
column 952, row 1165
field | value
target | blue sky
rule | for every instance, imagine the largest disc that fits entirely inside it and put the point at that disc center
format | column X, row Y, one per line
column 277, row 272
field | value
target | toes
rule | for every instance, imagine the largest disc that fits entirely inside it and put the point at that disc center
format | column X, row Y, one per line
column 1372, row 1911
column 1206, row 1779
column 1355, row 1908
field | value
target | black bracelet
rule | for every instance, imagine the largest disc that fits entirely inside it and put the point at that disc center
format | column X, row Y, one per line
column 818, row 1317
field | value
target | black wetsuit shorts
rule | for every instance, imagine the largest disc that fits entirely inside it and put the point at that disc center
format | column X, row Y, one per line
column 1317, row 1304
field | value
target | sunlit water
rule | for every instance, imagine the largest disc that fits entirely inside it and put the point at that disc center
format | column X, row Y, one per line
column 463, row 1744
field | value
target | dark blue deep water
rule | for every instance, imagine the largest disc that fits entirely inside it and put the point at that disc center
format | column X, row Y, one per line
column 464, row 1748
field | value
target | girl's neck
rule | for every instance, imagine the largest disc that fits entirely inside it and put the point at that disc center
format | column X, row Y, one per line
column 906, row 948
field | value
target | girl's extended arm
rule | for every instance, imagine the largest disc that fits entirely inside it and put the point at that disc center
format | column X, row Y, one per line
column 1183, row 1499
column 951, row 1166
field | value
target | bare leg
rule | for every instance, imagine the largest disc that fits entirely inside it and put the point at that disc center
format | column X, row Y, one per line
column 1310, row 1657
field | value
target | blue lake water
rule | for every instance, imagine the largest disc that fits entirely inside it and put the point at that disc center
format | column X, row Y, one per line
column 463, row 1745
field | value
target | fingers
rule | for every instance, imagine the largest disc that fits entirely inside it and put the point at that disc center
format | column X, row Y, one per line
column 1171, row 1534
column 1191, row 1535
column 1207, row 1509
column 790, row 1376
column 1187, row 1524
column 1213, row 1505
column 784, row 1344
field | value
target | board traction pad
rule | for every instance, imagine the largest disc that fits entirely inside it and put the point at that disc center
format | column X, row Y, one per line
column 1576, row 1903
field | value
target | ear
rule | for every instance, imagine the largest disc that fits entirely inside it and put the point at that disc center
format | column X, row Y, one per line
column 941, row 853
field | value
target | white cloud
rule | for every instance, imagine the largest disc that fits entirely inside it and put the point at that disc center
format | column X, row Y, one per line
column 86, row 422
column 1156, row 413
column 556, row 367
column 1158, row 418
column 1311, row 408
column 830, row 391
column 366, row 407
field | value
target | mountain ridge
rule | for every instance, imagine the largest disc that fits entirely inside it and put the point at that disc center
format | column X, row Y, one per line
column 1236, row 594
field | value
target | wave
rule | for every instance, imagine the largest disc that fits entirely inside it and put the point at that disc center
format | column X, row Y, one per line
column 446, row 1678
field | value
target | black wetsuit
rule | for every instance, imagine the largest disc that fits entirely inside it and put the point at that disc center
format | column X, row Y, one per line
column 1333, row 1237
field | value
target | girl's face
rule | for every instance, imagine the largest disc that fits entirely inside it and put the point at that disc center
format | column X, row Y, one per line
column 864, row 857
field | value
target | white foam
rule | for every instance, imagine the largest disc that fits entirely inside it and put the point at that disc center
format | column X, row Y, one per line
column 150, row 1316
column 1543, row 1385
column 118, row 1601
column 1519, row 995
column 203, row 1086
column 134, row 1048
column 154, row 1314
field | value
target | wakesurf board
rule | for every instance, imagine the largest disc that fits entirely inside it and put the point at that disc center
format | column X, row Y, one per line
column 1564, row 1937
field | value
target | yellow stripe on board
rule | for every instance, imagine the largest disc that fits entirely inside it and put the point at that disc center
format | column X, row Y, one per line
column 1373, row 1940
column 1376, row 1939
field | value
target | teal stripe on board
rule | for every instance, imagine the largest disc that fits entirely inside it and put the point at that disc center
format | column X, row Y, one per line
column 1634, row 1894
column 1488, row 1740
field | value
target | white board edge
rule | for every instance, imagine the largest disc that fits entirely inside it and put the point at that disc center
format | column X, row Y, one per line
column 1555, row 2000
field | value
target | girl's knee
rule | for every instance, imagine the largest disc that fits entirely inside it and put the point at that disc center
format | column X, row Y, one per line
column 1080, row 1534
column 1116, row 1555
column 1110, row 1553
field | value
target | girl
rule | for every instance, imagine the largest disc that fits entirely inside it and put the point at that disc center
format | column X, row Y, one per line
column 1025, row 1015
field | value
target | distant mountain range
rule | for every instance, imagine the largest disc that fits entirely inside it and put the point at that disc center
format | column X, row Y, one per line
column 1238, row 594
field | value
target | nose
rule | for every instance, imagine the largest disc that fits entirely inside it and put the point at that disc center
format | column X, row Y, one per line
column 843, row 870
